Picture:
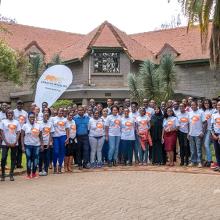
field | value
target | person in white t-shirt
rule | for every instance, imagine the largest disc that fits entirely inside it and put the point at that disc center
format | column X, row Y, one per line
column 60, row 139
column 105, row 147
column 21, row 116
column 208, row 111
column 47, row 131
column 3, row 111
column 113, row 135
column 31, row 140
column 197, row 127
column 215, row 124
column 96, row 129
column 10, row 133
column 72, row 145
column 183, row 118
column 127, row 137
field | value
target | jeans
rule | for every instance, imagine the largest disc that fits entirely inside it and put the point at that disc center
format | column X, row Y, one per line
column 44, row 159
column 143, row 154
column 58, row 150
column 136, row 148
column 217, row 151
column 83, row 149
column 96, row 145
column 4, row 158
column 32, row 155
column 127, row 150
column 207, row 141
column 184, row 147
column 196, row 149
column 114, row 142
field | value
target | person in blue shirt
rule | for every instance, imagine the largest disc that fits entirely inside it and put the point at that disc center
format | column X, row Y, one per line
column 82, row 122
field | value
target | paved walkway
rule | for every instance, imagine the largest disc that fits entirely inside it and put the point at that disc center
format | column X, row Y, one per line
column 112, row 195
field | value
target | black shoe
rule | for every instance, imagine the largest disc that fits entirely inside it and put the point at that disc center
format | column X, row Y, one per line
column 208, row 164
column 3, row 178
column 182, row 163
column 59, row 170
column 12, row 178
column 20, row 167
column 80, row 168
column 110, row 164
column 114, row 163
column 130, row 164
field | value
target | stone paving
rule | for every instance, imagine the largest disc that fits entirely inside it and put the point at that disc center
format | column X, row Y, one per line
column 105, row 195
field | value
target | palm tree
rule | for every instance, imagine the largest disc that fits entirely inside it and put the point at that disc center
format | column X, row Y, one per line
column 149, row 79
column 167, row 76
column 202, row 11
column 135, row 87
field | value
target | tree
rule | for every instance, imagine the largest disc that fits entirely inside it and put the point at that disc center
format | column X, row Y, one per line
column 202, row 11
column 135, row 89
column 149, row 79
column 167, row 76
column 56, row 59
column 62, row 103
column 12, row 63
column 153, row 81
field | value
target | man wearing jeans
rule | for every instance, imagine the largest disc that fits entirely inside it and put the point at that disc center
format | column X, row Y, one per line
column 82, row 122
column 197, row 127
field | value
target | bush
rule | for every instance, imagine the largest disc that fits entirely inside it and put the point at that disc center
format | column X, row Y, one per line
column 62, row 103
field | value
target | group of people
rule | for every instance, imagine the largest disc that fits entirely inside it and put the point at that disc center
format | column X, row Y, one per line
column 116, row 133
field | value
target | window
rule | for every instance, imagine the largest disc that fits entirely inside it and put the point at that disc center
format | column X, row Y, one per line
column 106, row 62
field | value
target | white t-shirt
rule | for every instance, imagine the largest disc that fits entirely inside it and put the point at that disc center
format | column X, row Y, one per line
column 196, row 119
column 143, row 122
column 208, row 116
column 20, row 116
column 10, row 129
column 170, row 123
column 31, row 134
column 176, row 112
column 127, row 128
column 72, row 128
column 149, row 112
column 60, row 125
column 134, row 115
column 47, row 129
column 2, row 116
column 96, row 127
column 114, row 124
column 215, row 121
column 183, row 119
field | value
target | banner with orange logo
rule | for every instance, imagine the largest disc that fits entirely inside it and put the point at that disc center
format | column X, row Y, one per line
column 52, row 84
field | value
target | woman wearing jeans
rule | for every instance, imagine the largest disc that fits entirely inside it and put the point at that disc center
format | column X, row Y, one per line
column 31, row 140
column 113, row 135
column 127, row 137
column 10, row 133
column 96, row 139
column 215, row 122
column 60, row 139
column 208, row 111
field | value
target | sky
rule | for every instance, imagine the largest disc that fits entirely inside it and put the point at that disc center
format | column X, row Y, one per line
column 82, row 16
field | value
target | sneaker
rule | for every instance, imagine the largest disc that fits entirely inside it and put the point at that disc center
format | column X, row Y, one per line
column 99, row 165
column 59, row 170
column 191, row 165
column 216, row 169
column 199, row 165
column 41, row 173
column 12, row 178
column 145, row 164
column 45, row 173
column 28, row 177
column 34, row 176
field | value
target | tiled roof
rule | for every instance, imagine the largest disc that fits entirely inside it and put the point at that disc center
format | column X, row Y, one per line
column 50, row 41
column 107, row 35
column 187, row 44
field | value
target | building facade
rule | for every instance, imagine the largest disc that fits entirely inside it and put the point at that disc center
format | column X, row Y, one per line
column 101, row 60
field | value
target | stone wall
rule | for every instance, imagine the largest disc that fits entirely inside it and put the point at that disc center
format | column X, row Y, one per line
column 197, row 80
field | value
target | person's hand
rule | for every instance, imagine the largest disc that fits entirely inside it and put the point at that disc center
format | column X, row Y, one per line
column 106, row 138
column 201, row 135
column 66, row 141
column 215, row 137
column 162, row 140
column 23, row 149
column 42, row 147
column 13, row 145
